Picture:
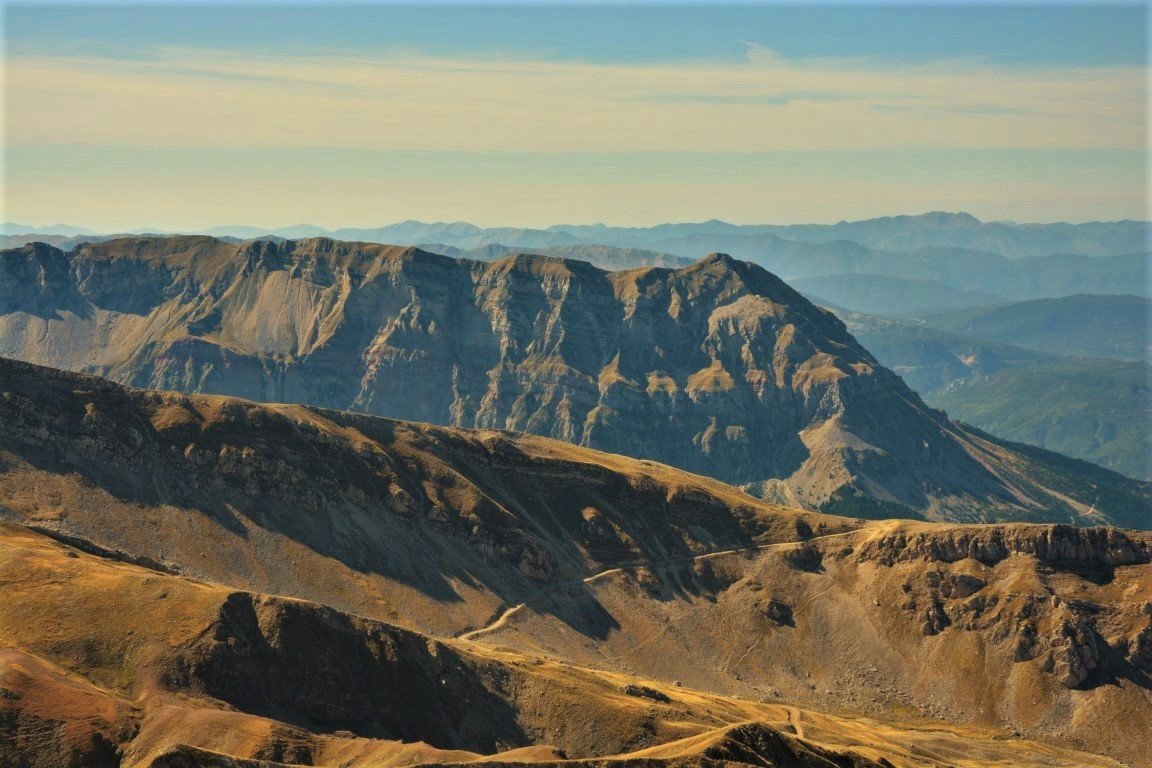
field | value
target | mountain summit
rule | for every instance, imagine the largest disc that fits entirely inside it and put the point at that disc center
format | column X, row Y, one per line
column 719, row 367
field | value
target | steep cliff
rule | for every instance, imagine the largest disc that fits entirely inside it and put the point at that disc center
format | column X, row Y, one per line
column 718, row 368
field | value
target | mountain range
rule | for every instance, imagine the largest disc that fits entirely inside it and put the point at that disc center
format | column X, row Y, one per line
column 898, row 233
column 922, row 263
column 893, row 233
column 196, row 581
column 719, row 368
column 599, row 503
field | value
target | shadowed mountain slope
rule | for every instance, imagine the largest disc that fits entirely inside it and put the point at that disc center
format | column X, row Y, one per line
column 434, row 528
column 149, row 533
column 719, row 368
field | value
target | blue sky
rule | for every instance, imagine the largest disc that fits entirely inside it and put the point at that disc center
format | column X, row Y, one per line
column 186, row 116
column 1089, row 35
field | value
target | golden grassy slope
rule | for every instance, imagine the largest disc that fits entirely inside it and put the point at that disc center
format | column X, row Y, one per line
column 95, row 655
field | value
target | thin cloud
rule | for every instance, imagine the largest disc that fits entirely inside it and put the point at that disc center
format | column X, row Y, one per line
column 189, row 98
column 759, row 54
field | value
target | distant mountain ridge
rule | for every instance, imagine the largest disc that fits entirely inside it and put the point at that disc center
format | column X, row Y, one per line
column 891, row 233
column 604, row 256
column 1083, row 325
column 1037, row 261
column 607, row 257
column 950, row 269
column 1088, row 407
column 884, row 294
column 908, row 233
column 1058, row 274
column 719, row 368
column 12, row 228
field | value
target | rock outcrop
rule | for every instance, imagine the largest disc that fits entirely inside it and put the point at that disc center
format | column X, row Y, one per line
column 1083, row 548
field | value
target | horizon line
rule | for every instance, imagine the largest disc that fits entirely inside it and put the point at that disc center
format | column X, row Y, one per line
column 271, row 230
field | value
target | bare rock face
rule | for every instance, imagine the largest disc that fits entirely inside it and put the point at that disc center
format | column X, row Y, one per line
column 1140, row 649
column 1058, row 544
column 1064, row 635
column 1075, row 653
column 934, row 619
column 718, row 368
column 961, row 585
column 643, row 691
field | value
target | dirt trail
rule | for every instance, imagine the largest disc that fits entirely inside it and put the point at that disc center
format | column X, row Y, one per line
column 503, row 618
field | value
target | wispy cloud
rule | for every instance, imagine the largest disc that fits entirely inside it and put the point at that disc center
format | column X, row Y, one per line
column 216, row 98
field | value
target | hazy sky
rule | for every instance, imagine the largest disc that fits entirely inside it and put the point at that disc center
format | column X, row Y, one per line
column 185, row 116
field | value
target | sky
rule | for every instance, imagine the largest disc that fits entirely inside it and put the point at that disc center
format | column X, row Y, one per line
column 186, row 116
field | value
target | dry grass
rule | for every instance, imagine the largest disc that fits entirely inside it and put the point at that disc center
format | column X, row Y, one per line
column 134, row 619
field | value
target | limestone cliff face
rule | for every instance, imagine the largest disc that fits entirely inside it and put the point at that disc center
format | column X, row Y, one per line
column 719, row 368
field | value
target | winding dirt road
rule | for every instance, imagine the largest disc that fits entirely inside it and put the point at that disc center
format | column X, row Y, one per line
column 503, row 618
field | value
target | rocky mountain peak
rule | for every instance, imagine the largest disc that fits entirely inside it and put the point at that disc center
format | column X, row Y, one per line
column 546, row 266
column 947, row 217
column 719, row 258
